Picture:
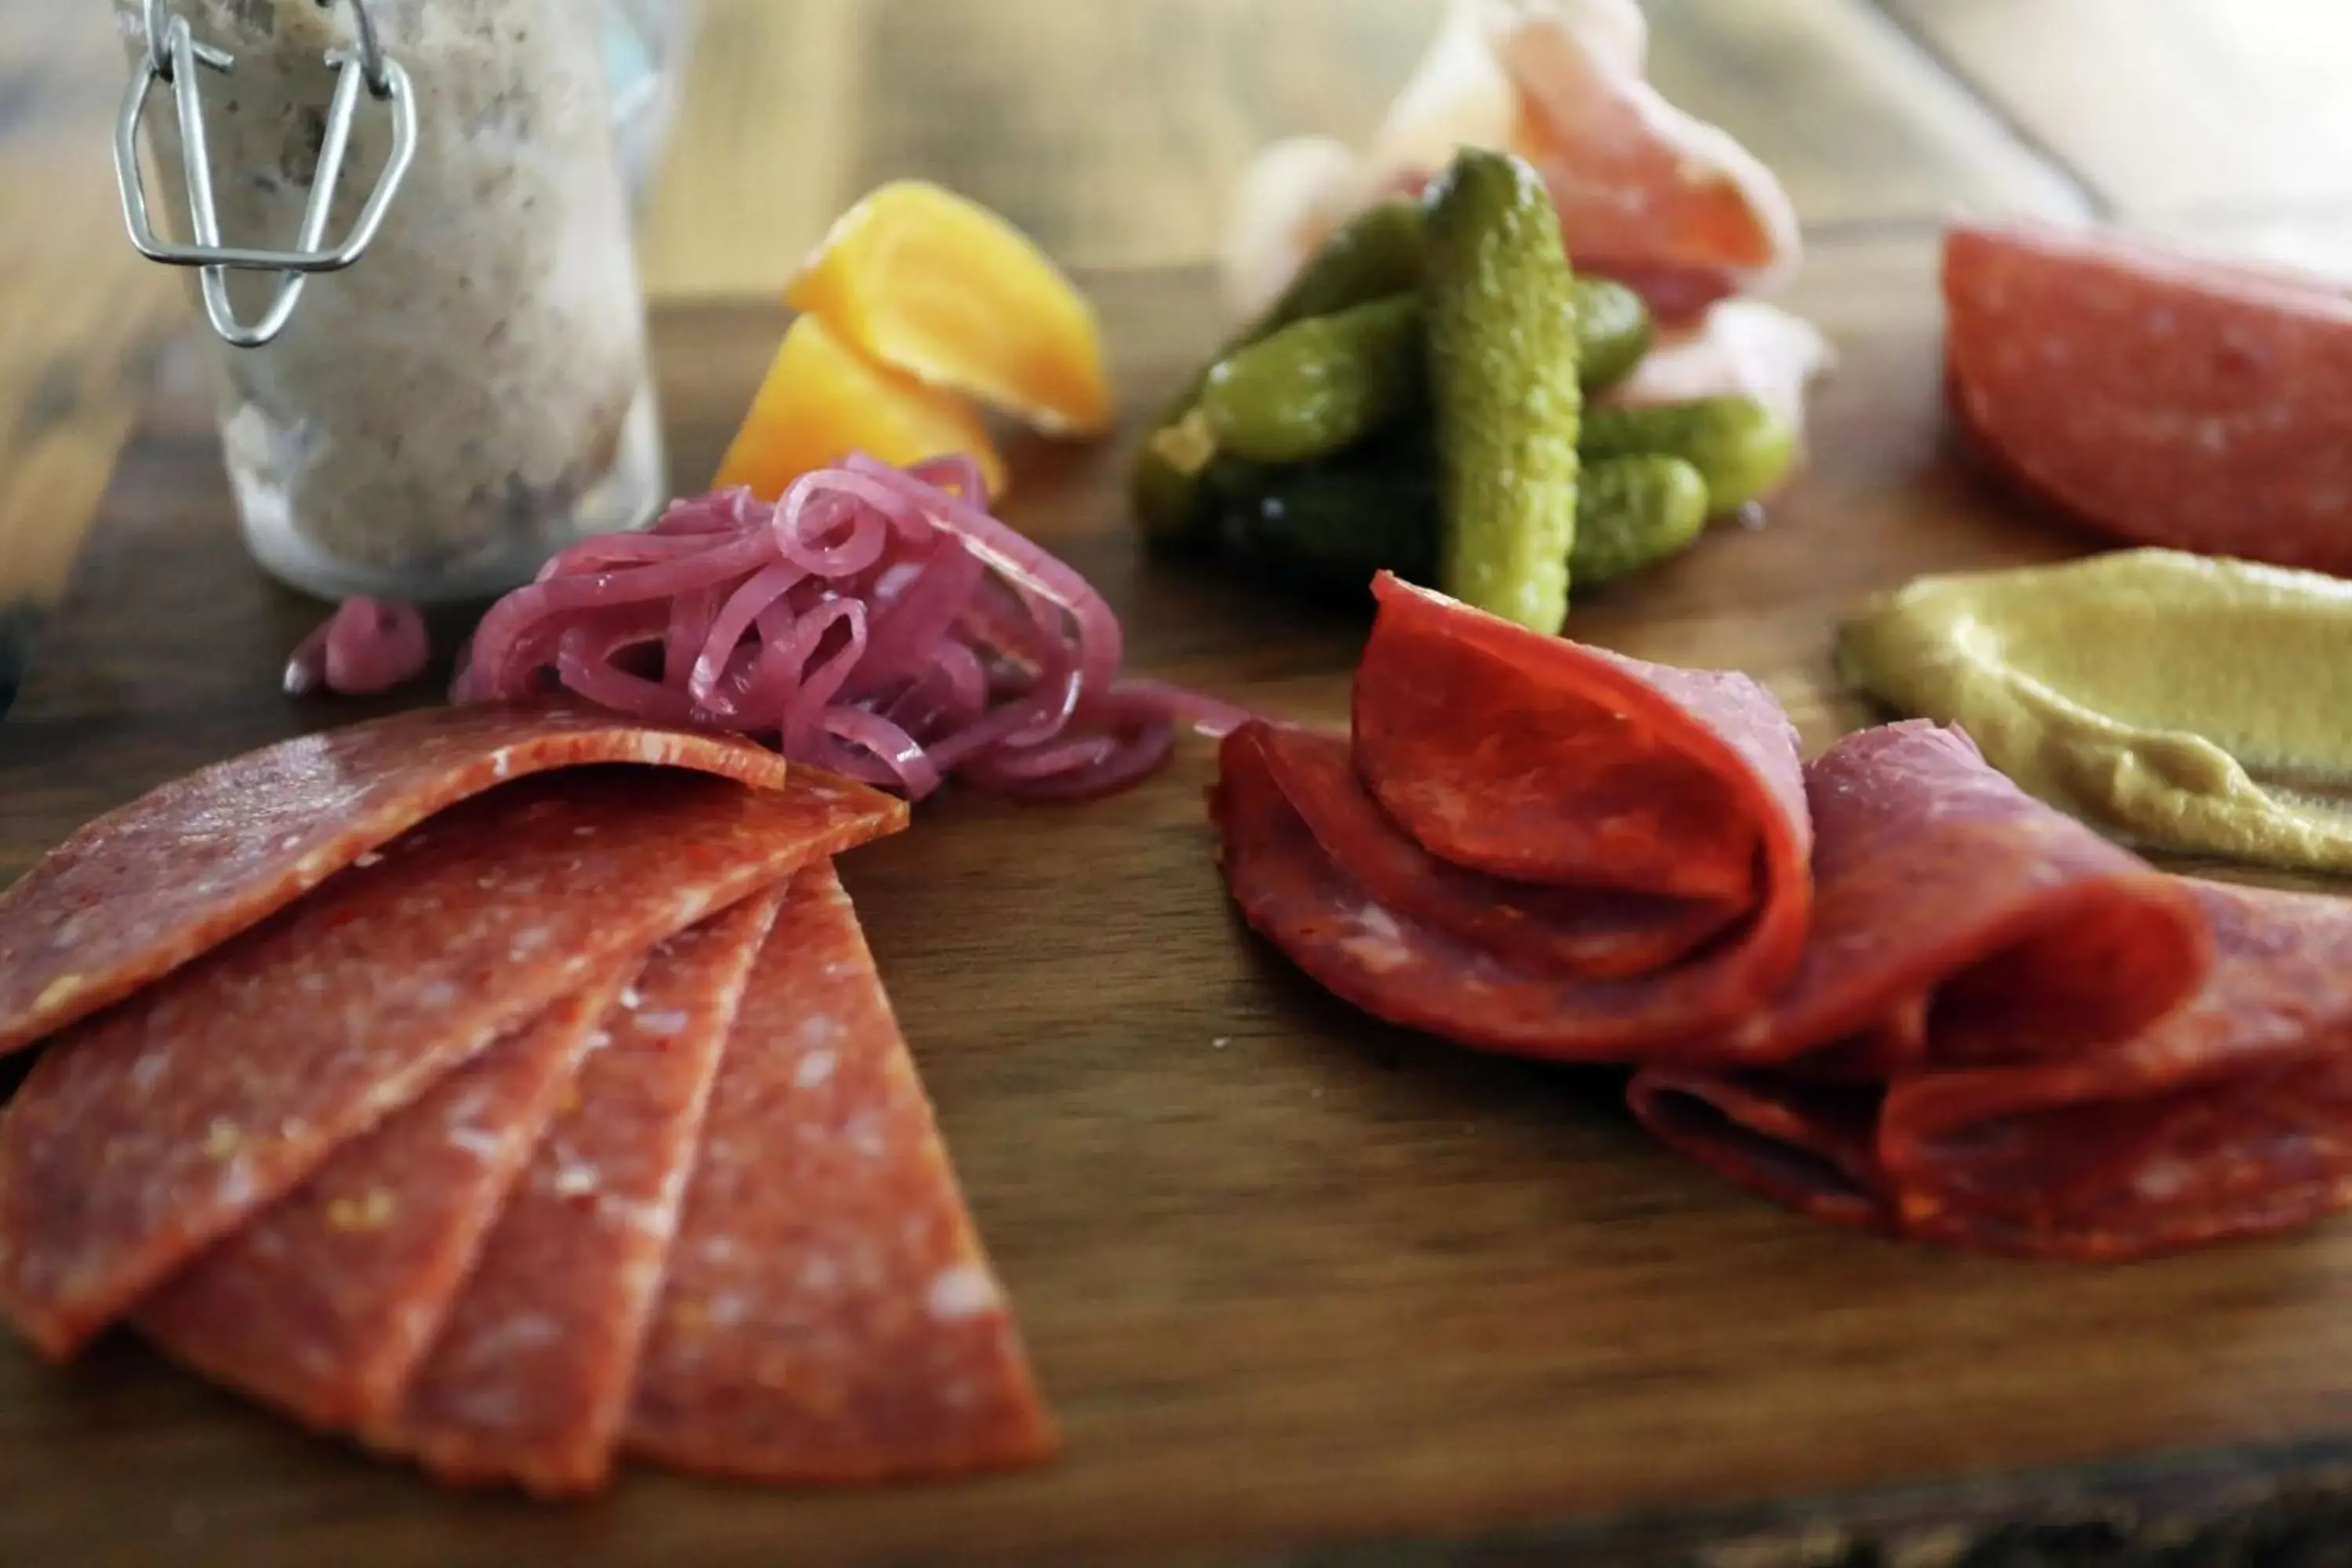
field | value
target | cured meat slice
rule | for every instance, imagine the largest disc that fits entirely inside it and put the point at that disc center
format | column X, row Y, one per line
column 1294, row 893
column 1812, row 1146
column 2230, row 1116
column 323, row 1304
column 1536, row 758
column 143, row 889
column 528, row 1378
column 2160, row 398
column 1957, row 919
column 157, row 1127
column 829, row 1315
column 1582, row 931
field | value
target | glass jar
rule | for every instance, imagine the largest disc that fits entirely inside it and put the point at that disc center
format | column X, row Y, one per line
column 472, row 393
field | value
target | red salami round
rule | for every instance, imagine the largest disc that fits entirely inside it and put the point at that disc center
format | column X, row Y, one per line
column 2158, row 397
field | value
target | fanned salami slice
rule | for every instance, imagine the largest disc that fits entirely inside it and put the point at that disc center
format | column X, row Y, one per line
column 144, row 888
column 322, row 1305
column 1542, row 760
column 1955, row 918
column 2160, row 397
column 528, row 1378
column 829, row 1315
column 2231, row 1117
column 155, row 1127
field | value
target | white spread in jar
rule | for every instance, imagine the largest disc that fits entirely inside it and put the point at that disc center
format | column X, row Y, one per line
column 472, row 393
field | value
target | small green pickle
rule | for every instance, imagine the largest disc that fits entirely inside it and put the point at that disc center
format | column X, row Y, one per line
column 1740, row 447
column 1633, row 513
column 1319, row 384
column 1612, row 331
column 1375, row 253
column 1503, row 387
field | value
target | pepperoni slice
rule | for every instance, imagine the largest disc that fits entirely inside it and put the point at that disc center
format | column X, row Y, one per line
column 151, row 1129
column 1541, row 760
column 323, row 1304
column 143, row 889
column 528, row 1378
column 1597, row 932
column 2157, row 396
column 1811, row 1146
column 828, row 1315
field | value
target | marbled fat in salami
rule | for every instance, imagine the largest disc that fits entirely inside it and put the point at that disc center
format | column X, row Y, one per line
column 829, row 1315
column 322, row 1305
column 2161, row 398
column 143, row 889
column 528, row 1379
column 151, row 1129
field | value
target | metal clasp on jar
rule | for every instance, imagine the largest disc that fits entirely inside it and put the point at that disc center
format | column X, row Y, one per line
column 173, row 56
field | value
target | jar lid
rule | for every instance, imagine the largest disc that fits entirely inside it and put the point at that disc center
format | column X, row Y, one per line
column 173, row 57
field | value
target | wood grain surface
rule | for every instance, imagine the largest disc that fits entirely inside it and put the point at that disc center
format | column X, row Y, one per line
column 1301, row 1289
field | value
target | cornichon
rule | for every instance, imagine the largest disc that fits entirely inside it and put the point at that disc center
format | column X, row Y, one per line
column 1324, row 529
column 1632, row 513
column 1740, row 447
column 1503, row 385
column 1376, row 254
column 1317, row 385
column 1612, row 331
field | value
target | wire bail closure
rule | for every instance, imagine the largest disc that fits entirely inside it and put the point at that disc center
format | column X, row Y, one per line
column 173, row 56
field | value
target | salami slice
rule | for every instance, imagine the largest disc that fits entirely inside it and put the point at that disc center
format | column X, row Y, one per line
column 528, row 1378
column 1957, row 918
column 828, row 1315
column 1294, row 893
column 144, row 888
column 2231, row 1117
column 157, row 1127
column 1536, row 758
column 2160, row 398
column 1809, row 1145
column 1588, row 931
column 323, row 1304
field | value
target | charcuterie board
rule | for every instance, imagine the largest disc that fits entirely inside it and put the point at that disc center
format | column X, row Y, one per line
column 1297, row 1286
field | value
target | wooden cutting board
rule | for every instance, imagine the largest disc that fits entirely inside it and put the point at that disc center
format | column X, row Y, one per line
column 1295, row 1283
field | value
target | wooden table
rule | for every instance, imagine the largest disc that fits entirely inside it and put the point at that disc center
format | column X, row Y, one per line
column 1880, row 120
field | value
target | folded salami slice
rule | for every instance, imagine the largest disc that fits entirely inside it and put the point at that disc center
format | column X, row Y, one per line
column 157, row 1127
column 1541, row 849
column 1536, row 758
column 2161, row 398
column 322, row 1305
column 2231, row 1117
column 143, row 889
column 1812, row 1146
column 828, row 1315
column 1957, row 919
column 528, row 1378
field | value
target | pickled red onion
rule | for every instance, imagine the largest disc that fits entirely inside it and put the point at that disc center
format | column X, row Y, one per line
column 367, row 646
column 875, row 621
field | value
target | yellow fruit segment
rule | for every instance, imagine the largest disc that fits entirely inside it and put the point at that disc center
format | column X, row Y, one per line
column 946, row 290
column 822, row 400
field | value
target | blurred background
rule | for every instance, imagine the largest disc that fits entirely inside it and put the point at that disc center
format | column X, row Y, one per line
column 1112, row 130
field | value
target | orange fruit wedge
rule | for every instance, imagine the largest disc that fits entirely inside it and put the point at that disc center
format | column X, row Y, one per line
column 939, row 287
column 822, row 400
